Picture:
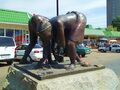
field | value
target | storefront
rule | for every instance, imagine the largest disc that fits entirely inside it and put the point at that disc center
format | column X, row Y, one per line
column 94, row 35
column 14, row 24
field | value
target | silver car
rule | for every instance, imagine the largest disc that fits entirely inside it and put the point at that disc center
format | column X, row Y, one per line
column 112, row 48
column 35, row 55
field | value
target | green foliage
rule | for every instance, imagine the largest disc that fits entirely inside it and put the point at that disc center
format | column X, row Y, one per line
column 89, row 26
column 116, row 23
column 111, row 28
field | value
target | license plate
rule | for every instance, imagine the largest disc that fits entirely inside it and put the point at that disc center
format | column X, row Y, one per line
column 4, row 56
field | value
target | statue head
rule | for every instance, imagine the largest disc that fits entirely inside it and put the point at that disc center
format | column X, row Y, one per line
column 38, row 19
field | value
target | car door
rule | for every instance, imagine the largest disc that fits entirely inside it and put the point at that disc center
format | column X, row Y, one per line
column 20, row 50
column 114, row 48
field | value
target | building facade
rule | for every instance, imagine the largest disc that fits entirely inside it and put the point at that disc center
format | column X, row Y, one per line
column 14, row 24
column 113, row 10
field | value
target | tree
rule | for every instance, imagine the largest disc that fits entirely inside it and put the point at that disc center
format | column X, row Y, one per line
column 89, row 26
column 116, row 23
column 111, row 28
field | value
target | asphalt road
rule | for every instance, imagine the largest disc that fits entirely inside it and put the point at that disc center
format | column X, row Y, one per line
column 110, row 60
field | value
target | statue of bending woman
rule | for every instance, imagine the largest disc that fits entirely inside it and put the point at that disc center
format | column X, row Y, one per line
column 68, row 31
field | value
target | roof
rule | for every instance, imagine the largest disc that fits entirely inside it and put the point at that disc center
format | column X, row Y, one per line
column 107, row 33
column 11, row 16
column 112, row 33
column 115, row 34
column 101, row 32
column 94, row 32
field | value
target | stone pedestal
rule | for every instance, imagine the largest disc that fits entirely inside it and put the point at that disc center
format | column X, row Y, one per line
column 92, row 78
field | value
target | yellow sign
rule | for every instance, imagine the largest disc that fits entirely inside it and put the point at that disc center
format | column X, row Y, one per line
column 14, row 26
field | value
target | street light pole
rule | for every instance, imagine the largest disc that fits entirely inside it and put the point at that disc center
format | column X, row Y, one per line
column 57, row 7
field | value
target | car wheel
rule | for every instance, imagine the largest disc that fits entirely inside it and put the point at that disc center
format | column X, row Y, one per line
column 83, row 55
column 99, row 50
column 103, row 51
column 118, row 51
column 9, row 62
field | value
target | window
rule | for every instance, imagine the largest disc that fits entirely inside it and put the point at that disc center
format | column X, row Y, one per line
column 18, row 37
column 9, row 32
column 1, row 32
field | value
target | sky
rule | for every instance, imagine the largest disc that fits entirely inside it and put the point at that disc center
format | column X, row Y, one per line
column 95, row 10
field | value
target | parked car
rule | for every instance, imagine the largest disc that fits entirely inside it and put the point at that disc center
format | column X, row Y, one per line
column 82, row 50
column 112, row 48
column 7, row 49
column 103, row 48
column 35, row 55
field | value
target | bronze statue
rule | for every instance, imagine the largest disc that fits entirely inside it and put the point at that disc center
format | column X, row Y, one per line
column 39, row 26
column 65, row 32
column 68, row 31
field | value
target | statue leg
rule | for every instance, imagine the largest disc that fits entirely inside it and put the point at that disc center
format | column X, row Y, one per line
column 33, row 41
column 71, row 51
column 45, row 36
column 58, row 41
column 60, row 34
column 47, row 50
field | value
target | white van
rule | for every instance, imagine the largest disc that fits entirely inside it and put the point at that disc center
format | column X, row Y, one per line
column 7, row 49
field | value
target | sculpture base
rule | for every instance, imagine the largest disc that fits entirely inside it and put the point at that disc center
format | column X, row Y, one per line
column 26, row 77
column 54, row 71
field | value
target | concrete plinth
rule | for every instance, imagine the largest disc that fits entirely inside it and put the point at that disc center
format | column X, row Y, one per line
column 99, row 79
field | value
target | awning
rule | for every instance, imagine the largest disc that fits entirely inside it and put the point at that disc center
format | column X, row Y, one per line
column 93, row 32
column 101, row 32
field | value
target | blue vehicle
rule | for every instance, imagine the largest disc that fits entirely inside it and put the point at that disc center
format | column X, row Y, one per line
column 82, row 50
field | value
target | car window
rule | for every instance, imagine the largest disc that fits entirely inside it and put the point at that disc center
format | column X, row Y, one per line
column 37, row 46
column 115, row 46
column 5, row 41
column 80, row 46
column 22, row 47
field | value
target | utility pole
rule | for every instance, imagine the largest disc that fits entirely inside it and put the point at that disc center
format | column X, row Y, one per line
column 57, row 7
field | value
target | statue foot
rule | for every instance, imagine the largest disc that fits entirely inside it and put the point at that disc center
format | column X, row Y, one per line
column 84, row 64
column 42, row 66
column 25, row 62
column 53, row 62
column 70, row 67
column 59, row 58
column 43, row 63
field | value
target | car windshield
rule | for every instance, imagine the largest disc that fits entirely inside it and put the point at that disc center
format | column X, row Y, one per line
column 5, row 41
column 80, row 46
